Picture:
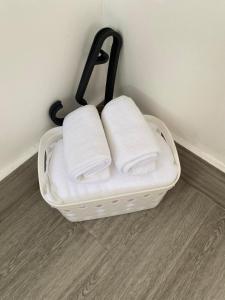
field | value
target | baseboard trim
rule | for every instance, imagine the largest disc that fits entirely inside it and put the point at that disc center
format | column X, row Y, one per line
column 18, row 162
column 203, row 155
column 202, row 175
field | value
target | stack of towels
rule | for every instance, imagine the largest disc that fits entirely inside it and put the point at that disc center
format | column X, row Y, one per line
column 120, row 153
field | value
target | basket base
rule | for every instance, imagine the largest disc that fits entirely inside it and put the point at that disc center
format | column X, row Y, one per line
column 103, row 212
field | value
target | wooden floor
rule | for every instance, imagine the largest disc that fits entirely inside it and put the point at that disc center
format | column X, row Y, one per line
column 175, row 251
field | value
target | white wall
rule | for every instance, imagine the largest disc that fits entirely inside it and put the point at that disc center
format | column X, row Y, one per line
column 173, row 64
column 44, row 45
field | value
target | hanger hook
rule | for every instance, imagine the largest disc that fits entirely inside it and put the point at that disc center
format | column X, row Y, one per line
column 53, row 110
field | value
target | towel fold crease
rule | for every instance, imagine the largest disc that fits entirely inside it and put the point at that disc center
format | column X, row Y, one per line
column 132, row 142
column 86, row 150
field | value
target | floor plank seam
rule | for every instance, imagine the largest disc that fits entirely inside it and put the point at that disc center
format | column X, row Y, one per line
column 14, row 205
column 96, row 238
column 182, row 252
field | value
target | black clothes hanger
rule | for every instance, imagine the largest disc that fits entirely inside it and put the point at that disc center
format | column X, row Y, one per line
column 96, row 56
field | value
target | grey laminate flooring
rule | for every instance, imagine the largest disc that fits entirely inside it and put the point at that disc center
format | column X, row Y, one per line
column 175, row 251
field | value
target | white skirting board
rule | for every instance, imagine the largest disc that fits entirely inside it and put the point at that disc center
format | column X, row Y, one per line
column 18, row 161
column 205, row 156
column 33, row 150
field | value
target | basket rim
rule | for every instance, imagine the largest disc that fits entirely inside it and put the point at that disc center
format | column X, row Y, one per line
column 55, row 132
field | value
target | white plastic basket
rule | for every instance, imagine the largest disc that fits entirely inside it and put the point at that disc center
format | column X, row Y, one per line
column 101, row 207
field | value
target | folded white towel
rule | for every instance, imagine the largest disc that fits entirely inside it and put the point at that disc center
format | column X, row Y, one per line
column 133, row 145
column 86, row 150
column 117, row 184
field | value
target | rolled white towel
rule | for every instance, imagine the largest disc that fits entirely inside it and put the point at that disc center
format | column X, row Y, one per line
column 86, row 150
column 132, row 142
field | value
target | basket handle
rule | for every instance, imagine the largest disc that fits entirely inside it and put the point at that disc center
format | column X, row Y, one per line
column 167, row 135
column 43, row 159
column 42, row 167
